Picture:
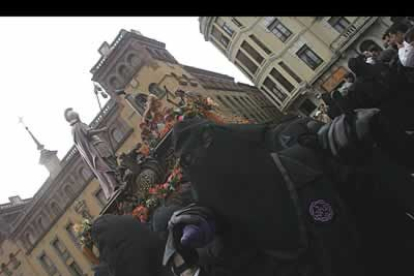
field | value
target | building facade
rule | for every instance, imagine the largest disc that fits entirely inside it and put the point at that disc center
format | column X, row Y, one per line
column 36, row 235
column 292, row 59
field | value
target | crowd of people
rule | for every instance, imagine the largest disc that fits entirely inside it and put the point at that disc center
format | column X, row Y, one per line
column 380, row 78
column 302, row 197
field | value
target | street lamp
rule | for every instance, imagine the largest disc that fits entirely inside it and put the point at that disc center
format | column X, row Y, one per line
column 98, row 90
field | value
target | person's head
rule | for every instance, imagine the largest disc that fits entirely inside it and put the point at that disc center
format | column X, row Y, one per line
column 350, row 77
column 386, row 39
column 71, row 115
column 397, row 32
column 374, row 50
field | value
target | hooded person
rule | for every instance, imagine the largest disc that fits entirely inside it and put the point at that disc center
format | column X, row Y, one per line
column 128, row 247
column 275, row 196
column 256, row 211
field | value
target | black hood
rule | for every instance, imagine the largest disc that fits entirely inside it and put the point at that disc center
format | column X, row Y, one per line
column 234, row 175
column 128, row 246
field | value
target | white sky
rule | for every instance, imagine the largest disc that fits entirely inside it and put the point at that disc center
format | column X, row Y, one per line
column 44, row 68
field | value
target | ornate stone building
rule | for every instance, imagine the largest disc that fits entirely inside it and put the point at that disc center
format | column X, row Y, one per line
column 36, row 235
column 290, row 59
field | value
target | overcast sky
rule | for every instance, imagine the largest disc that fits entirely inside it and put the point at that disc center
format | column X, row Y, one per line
column 44, row 68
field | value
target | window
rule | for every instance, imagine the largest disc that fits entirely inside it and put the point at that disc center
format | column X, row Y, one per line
column 271, row 96
column 309, row 57
column 47, row 265
column 279, row 30
column 133, row 60
column 290, row 72
column 255, row 104
column 30, row 239
column 227, row 29
column 260, row 44
column 252, row 52
column 153, row 88
column 246, row 61
column 339, row 23
column 242, row 68
column 224, row 26
column 101, row 197
column 61, row 249
column 86, row 173
column 41, row 223
column 124, row 72
column 307, row 107
column 271, row 86
column 282, row 80
column 140, row 101
column 220, row 37
column 223, row 102
column 75, row 270
column 235, row 106
column 244, row 109
column 55, row 209
column 69, row 191
column 117, row 135
column 237, row 22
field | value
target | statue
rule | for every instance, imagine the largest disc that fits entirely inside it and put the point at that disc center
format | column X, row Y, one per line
column 95, row 152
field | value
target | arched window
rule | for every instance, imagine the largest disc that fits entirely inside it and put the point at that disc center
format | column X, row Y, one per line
column 114, row 83
column 124, row 72
column 29, row 238
column 41, row 223
column 133, row 60
column 69, row 191
column 55, row 208
column 140, row 102
column 86, row 173
column 153, row 88
column 366, row 44
column 117, row 135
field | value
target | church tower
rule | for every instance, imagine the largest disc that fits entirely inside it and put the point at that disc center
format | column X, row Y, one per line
column 48, row 158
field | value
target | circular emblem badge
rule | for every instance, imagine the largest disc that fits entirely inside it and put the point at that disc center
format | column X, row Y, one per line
column 320, row 210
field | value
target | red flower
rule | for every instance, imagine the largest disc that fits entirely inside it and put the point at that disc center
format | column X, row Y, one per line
column 165, row 185
column 152, row 191
column 141, row 213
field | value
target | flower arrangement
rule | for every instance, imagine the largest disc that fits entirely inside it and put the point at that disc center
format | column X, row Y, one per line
column 157, row 194
column 83, row 231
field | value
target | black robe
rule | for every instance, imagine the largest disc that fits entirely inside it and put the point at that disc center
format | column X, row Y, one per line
column 128, row 246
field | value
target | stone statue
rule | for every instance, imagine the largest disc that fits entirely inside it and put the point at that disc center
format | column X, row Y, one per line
column 95, row 151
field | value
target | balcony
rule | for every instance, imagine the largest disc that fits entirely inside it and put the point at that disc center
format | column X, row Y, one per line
column 356, row 28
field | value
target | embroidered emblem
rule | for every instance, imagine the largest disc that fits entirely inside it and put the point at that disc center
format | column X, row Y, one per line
column 320, row 210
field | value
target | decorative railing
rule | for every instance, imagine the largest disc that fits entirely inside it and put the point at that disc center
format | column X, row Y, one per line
column 9, row 205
